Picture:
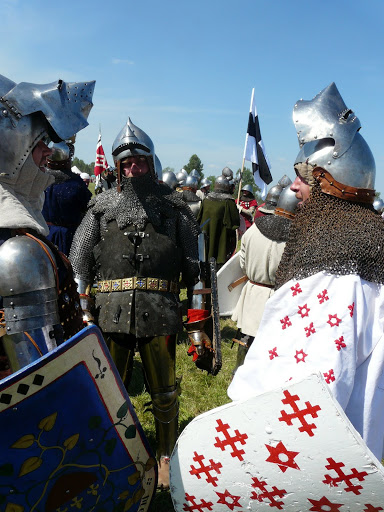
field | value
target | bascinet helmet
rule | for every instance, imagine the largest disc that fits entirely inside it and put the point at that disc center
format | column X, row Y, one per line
column 285, row 181
column 271, row 199
column 183, row 171
column 29, row 112
column 227, row 173
column 170, row 179
column 132, row 141
column 205, row 183
column 329, row 138
column 222, row 184
column 248, row 188
column 287, row 203
column 181, row 177
column 191, row 182
column 195, row 173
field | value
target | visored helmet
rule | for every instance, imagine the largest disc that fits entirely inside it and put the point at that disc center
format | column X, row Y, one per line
column 29, row 112
column 132, row 141
column 287, row 203
column 170, row 179
column 329, row 138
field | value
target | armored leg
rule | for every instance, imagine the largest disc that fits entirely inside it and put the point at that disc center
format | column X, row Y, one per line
column 122, row 355
column 158, row 358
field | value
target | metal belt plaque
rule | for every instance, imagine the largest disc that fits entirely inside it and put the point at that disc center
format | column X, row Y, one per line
column 70, row 438
column 292, row 449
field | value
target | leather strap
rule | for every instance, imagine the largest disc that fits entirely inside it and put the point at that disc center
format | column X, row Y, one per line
column 262, row 284
column 332, row 187
column 237, row 282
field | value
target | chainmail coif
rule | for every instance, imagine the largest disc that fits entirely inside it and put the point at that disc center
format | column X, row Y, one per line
column 274, row 227
column 335, row 236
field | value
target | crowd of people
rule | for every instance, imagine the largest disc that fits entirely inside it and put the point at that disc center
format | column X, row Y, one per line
column 311, row 254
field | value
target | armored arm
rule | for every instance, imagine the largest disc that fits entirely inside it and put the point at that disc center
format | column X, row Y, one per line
column 29, row 287
column 81, row 257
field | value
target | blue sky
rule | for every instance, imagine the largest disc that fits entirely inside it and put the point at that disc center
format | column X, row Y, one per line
column 184, row 71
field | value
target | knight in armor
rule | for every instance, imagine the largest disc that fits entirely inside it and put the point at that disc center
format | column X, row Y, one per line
column 65, row 200
column 205, row 187
column 38, row 294
column 189, row 194
column 220, row 219
column 326, row 315
column 247, row 205
column 135, row 241
column 272, row 198
column 262, row 247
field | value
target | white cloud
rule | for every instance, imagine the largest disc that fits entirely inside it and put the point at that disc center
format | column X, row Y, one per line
column 122, row 61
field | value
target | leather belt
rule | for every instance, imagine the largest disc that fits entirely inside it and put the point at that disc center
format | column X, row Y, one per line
column 261, row 284
column 137, row 283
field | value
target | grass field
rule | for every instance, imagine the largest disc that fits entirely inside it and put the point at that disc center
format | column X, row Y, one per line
column 200, row 392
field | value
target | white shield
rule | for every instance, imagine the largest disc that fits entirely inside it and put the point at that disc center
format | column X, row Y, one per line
column 228, row 285
column 291, row 449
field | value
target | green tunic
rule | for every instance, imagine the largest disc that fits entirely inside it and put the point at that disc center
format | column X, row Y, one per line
column 224, row 219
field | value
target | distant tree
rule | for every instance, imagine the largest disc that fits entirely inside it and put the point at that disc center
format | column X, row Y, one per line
column 212, row 179
column 82, row 166
column 247, row 179
column 377, row 194
column 194, row 163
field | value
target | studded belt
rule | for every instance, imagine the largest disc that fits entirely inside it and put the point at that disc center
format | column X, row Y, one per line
column 137, row 283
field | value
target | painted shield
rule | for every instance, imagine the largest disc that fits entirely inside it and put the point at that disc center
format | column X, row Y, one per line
column 230, row 282
column 70, row 439
column 291, row 449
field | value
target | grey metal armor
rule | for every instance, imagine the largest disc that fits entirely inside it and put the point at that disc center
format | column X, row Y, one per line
column 170, row 179
column 287, row 204
column 29, row 281
column 189, row 194
column 135, row 243
column 271, row 199
column 329, row 138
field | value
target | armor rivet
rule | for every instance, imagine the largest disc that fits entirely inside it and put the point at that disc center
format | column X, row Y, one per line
column 356, row 193
column 315, row 136
column 11, row 303
column 8, row 328
column 329, row 163
column 331, row 134
column 331, row 182
column 335, row 153
column 343, row 191
column 14, row 409
column 5, row 113
column 91, row 440
column 11, row 289
column 14, row 316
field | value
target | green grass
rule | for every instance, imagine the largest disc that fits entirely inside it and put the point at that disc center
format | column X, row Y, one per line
column 200, row 392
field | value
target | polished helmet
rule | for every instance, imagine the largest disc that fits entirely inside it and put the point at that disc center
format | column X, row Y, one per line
column 170, row 179
column 192, row 182
column 222, row 184
column 195, row 174
column 132, row 141
column 183, row 171
column 271, row 199
column 205, row 183
column 329, row 138
column 30, row 112
column 287, row 203
column 181, row 177
column 248, row 188
column 227, row 173
column 378, row 204
column 285, row 181
column 158, row 169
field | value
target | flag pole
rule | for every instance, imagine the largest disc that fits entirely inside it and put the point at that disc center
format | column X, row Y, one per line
column 240, row 180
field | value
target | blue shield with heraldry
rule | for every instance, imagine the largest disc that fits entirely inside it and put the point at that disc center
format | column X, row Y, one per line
column 70, row 439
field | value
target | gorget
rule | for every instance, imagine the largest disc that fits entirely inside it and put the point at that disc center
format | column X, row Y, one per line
column 21, row 203
column 219, row 196
column 335, row 236
column 273, row 227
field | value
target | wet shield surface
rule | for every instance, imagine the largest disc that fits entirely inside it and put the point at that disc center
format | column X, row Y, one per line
column 70, row 438
column 291, row 449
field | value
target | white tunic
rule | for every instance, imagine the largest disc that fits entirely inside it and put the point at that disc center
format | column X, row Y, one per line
column 333, row 324
column 259, row 259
